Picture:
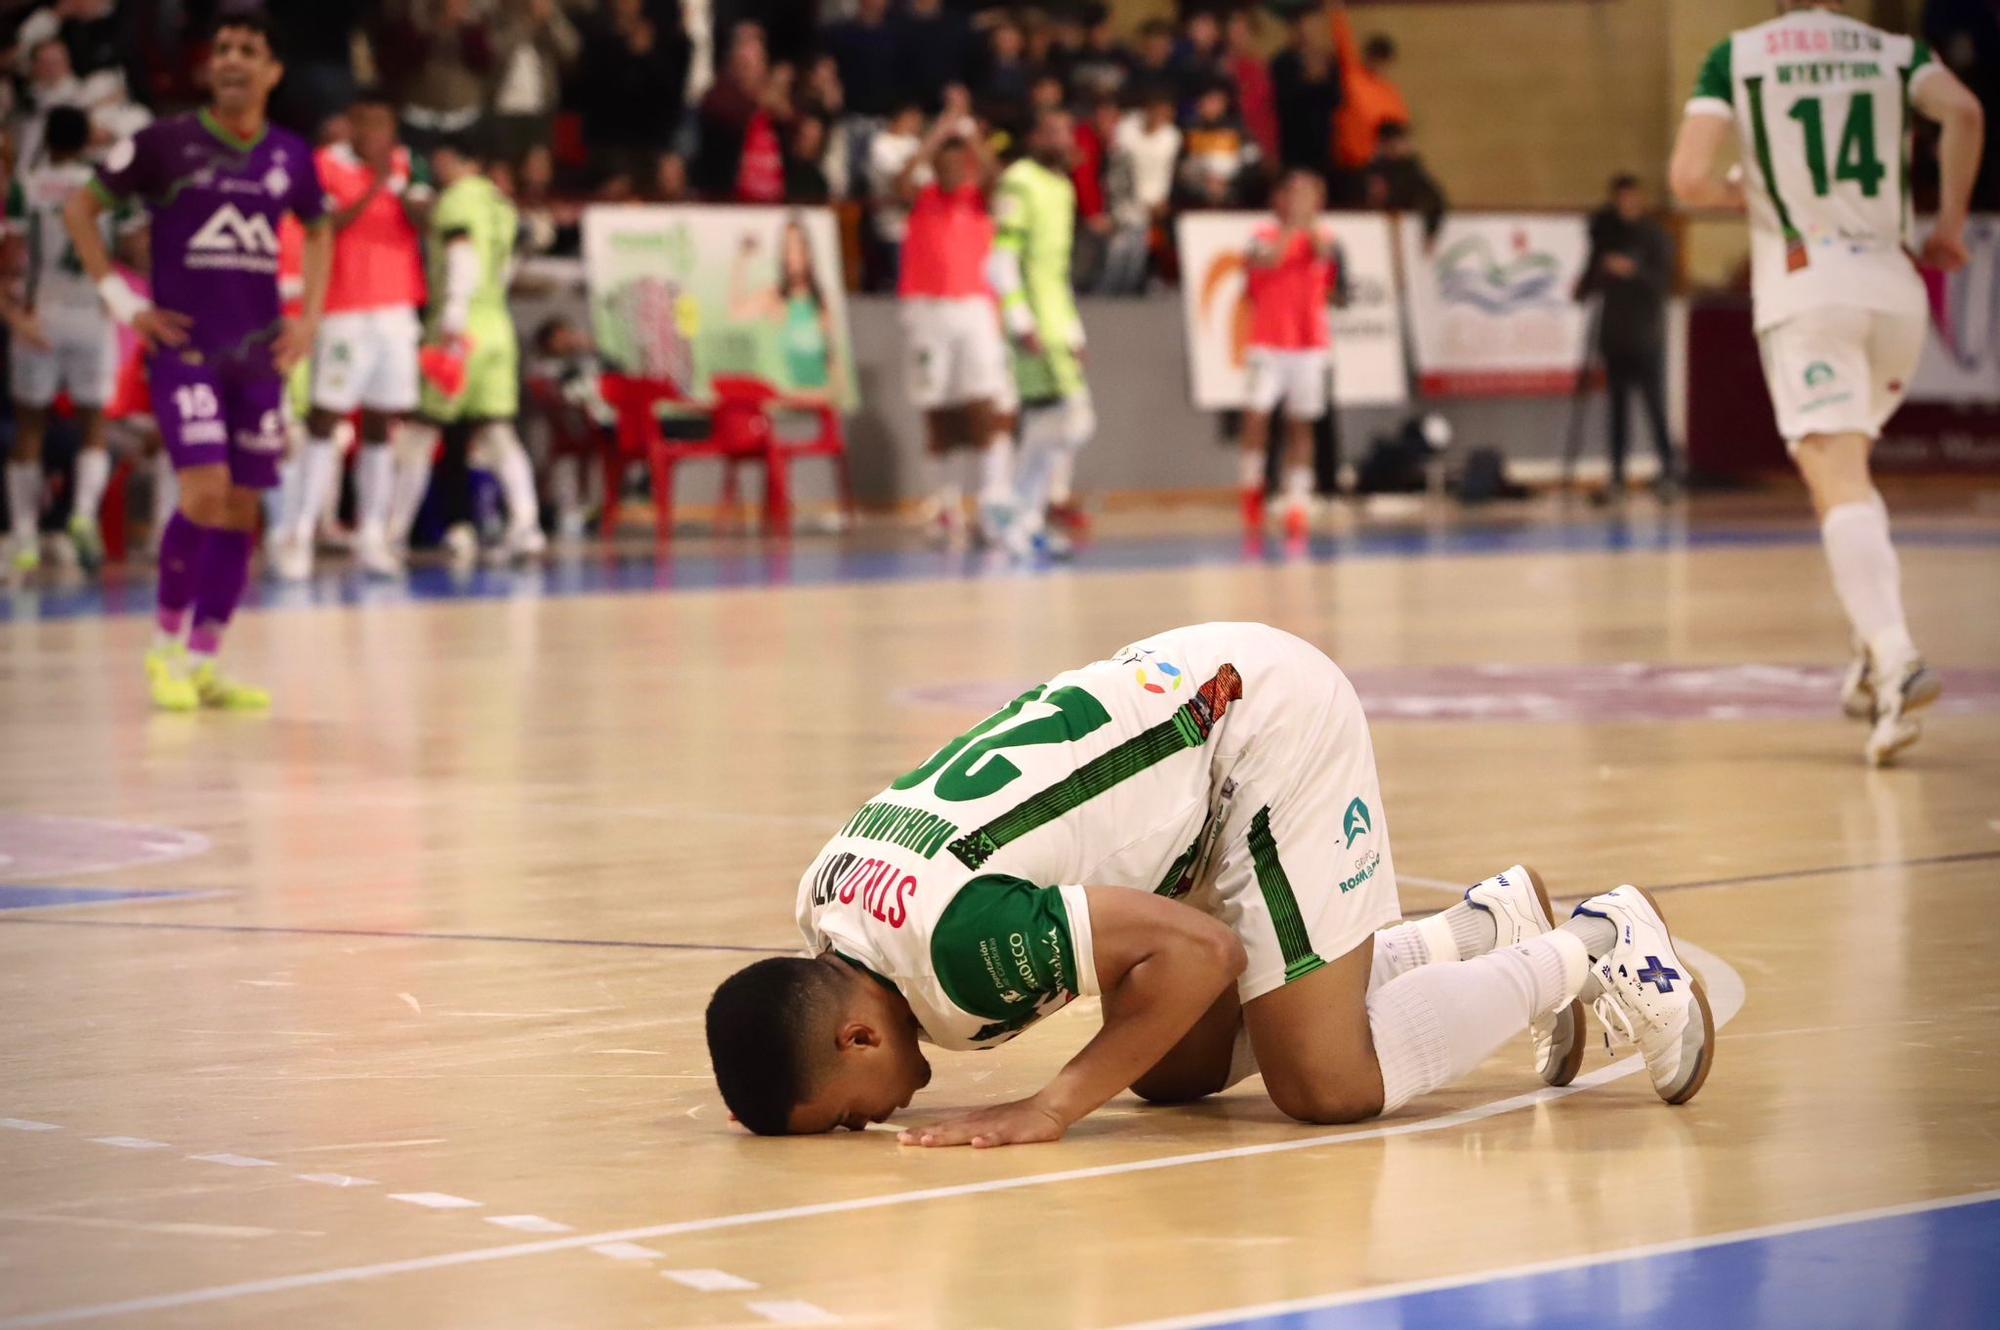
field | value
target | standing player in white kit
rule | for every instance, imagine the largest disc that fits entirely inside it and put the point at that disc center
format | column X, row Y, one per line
column 1819, row 104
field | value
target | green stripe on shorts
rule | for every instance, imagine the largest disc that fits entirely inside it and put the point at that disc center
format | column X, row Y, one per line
column 1293, row 944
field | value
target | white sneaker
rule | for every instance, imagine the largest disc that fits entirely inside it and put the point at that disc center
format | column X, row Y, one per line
column 1519, row 904
column 461, row 545
column 372, row 552
column 527, row 542
column 291, row 556
column 1913, row 688
column 1650, row 998
column 1857, row 688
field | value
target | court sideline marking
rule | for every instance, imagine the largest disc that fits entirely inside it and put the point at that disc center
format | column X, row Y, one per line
column 1725, row 992
column 1232, row 1316
column 24, row 918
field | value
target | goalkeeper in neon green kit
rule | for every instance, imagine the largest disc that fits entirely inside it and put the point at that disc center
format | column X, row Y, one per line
column 1036, row 214
column 472, row 356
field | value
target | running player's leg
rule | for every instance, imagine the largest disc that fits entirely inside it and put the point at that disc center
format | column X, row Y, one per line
column 88, row 359
column 339, row 359
column 252, row 408
column 1826, row 392
column 33, row 372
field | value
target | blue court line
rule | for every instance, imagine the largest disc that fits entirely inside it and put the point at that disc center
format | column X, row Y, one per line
column 36, row 898
column 1922, row 1266
column 832, row 561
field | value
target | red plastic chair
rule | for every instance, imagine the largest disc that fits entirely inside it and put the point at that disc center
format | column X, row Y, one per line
column 743, row 414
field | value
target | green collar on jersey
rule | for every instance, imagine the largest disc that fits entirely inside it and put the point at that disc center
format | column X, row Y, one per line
column 216, row 127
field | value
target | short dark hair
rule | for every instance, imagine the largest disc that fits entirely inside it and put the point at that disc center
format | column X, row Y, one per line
column 372, row 95
column 768, row 1032
column 1393, row 131
column 1623, row 181
column 1379, row 48
column 241, row 18
column 66, row 131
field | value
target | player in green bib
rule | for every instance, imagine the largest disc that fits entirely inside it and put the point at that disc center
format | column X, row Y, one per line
column 1820, row 107
column 1035, row 210
column 470, row 337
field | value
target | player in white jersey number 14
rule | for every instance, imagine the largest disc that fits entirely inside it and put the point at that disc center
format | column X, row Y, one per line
column 1191, row 830
column 1819, row 104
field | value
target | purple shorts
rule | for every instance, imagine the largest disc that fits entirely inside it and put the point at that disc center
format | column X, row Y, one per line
column 211, row 414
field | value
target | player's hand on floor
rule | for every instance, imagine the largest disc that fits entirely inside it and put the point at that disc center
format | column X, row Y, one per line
column 1023, row 1122
column 158, row 327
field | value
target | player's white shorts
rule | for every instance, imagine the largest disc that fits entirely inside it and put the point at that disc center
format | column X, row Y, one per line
column 1296, row 378
column 1839, row 371
column 1301, row 871
column 957, row 354
column 367, row 358
column 82, row 360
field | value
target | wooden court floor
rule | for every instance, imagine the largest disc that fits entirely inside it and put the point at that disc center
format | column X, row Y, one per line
column 413, row 1039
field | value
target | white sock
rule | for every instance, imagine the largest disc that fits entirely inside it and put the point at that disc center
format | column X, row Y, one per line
column 1299, row 486
column 1869, row 580
column 1457, row 934
column 318, row 473
column 24, row 500
column 566, row 488
column 1435, row 1024
column 93, row 473
column 946, row 490
column 415, row 447
column 996, row 470
column 374, row 487
column 1250, row 470
column 1062, row 471
column 516, row 475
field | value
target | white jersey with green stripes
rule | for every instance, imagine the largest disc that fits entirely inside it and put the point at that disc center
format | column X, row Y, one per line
column 961, row 883
column 1821, row 105
column 57, row 287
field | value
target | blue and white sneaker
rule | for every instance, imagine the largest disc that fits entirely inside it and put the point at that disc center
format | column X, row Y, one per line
column 1650, row 998
column 1897, row 700
column 1519, row 904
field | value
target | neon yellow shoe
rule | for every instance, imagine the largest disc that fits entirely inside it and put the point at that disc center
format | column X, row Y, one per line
column 89, row 542
column 25, row 558
column 167, row 677
column 222, row 693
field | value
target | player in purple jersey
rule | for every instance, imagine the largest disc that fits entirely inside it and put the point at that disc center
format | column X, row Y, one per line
column 216, row 184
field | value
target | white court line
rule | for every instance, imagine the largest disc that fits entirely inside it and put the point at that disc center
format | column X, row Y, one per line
column 435, row 1200
column 128, row 1142
column 334, row 1180
column 628, row 1251
column 1725, row 995
column 709, row 1281
column 150, row 896
column 1384, row 1292
column 793, row 1312
column 530, row 1224
column 26, row 1124
column 233, row 1161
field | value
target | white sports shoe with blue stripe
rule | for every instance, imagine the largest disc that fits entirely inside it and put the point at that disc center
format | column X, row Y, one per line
column 1519, row 904
column 1650, row 997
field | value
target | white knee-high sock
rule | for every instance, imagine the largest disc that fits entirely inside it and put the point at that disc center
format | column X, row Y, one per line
column 415, row 446
column 93, row 474
column 318, row 473
column 516, row 474
column 24, row 500
column 375, row 487
column 1869, row 579
column 1437, row 1023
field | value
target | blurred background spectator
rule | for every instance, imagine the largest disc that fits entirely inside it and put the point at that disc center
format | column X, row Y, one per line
column 535, row 45
column 1305, row 82
column 631, row 88
column 436, row 59
column 1369, row 100
column 934, row 48
column 1396, row 180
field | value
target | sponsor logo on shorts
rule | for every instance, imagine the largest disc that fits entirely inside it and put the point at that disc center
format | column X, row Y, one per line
column 1369, row 863
column 1357, row 823
column 204, row 431
column 1817, row 373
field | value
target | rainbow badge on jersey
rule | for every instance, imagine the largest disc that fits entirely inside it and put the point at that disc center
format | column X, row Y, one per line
column 1156, row 676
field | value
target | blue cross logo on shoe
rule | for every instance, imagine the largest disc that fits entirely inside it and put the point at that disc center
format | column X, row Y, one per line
column 1661, row 977
column 1357, row 822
